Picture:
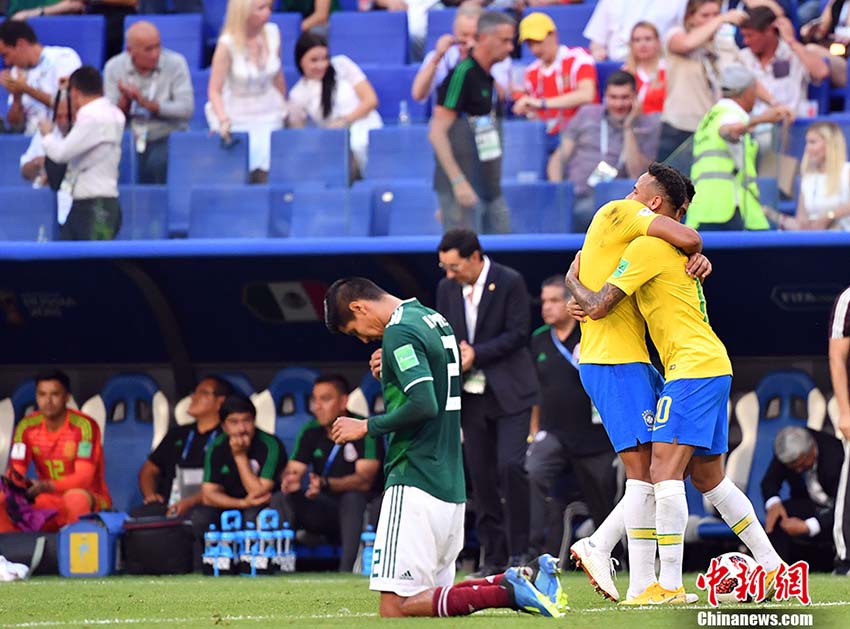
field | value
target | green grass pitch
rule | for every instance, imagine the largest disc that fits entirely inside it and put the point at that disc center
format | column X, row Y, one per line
column 330, row 600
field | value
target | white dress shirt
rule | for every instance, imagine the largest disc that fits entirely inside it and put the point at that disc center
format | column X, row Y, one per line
column 472, row 298
column 92, row 150
column 56, row 62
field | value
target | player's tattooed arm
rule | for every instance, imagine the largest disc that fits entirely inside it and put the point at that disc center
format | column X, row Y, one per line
column 595, row 304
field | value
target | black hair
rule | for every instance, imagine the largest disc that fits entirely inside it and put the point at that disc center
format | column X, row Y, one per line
column 13, row 30
column 307, row 41
column 670, row 181
column 340, row 295
column 87, row 79
column 690, row 191
column 221, row 387
column 236, row 403
column 554, row 280
column 464, row 240
column 759, row 19
column 337, row 379
column 621, row 77
column 54, row 374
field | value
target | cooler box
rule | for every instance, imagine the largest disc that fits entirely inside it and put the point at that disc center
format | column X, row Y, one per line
column 87, row 547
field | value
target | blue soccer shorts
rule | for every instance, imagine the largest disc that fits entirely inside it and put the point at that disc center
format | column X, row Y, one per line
column 626, row 397
column 695, row 412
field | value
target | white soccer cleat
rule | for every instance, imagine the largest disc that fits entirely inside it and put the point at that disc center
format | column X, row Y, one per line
column 598, row 565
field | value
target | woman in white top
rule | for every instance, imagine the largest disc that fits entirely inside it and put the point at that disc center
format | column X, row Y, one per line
column 333, row 92
column 247, row 91
column 824, row 199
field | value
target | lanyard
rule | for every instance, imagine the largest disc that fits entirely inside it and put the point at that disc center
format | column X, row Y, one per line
column 565, row 352
column 191, row 437
column 603, row 136
column 330, row 460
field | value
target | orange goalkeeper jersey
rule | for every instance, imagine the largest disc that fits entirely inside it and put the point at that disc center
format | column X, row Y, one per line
column 60, row 456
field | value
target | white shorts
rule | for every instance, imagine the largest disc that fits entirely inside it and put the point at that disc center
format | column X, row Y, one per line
column 417, row 542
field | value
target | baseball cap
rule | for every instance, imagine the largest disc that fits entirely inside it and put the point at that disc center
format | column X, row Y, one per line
column 736, row 77
column 536, row 26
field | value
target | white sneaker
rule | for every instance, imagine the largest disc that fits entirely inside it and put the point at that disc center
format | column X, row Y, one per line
column 691, row 598
column 598, row 565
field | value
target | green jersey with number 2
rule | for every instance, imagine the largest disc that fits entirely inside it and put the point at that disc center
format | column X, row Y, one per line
column 419, row 349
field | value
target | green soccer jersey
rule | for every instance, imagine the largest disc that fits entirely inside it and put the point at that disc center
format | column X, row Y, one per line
column 420, row 350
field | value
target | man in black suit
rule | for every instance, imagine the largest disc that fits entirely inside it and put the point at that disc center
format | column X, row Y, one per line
column 487, row 305
column 801, row 527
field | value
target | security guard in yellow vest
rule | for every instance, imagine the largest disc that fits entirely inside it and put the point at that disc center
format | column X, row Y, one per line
column 724, row 170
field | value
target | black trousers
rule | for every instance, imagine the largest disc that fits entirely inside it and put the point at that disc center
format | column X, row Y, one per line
column 92, row 219
column 203, row 516
column 339, row 516
column 817, row 550
column 494, row 449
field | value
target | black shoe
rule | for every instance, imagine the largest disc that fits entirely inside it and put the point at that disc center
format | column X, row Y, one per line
column 485, row 571
column 842, row 569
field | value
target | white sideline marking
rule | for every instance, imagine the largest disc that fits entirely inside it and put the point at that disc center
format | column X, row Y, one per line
column 745, row 606
column 151, row 621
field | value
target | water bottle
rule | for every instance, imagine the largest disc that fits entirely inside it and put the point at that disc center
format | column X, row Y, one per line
column 42, row 234
column 249, row 550
column 367, row 543
column 227, row 552
column 286, row 550
column 403, row 114
column 211, row 549
column 268, row 521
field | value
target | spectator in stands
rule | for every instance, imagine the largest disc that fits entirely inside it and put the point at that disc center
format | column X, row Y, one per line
column 315, row 14
column 247, row 91
column 154, row 90
column 453, row 48
column 92, row 150
column 646, row 63
column 26, row 9
column 333, row 92
column 724, row 170
column 486, row 304
column 64, row 446
column 242, row 468
column 33, row 75
column 558, row 82
column 465, row 136
column 824, row 198
column 695, row 54
column 604, row 141
column 566, row 432
column 839, row 365
column 342, row 479
column 801, row 527
column 170, row 479
column 832, row 27
column 611, row 23
column 783, row 65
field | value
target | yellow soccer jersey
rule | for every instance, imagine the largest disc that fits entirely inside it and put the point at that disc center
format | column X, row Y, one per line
column 620, row 337
column 673, row 305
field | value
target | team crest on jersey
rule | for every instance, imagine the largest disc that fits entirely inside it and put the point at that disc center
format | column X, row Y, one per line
column 649, row 419
column 19, row 451
column 69, row 449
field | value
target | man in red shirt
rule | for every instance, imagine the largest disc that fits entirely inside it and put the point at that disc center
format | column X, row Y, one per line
column 559, row 81
column 64, row 445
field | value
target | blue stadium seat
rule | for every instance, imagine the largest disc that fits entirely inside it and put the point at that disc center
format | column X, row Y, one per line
column 330, row 212
column 400, row 152
column 407, row 209
column 7, row 431
column 329, row 156
column 194, row 158
column 768, row 191
column 781, row 399
column 392, row 85
column 200, row 81
column 440, row 22
column 523, row 149
column 291, row 389
column 129, row 404
column 539, row 207
column 570, row 20
column 371, row 37
column 23, row 399
column 12, row 146
column 604, row 69
column 611, row 190
column 797, row 139
column 214, row 11
column 290, row 30
column 180, row 32
column 83, row 33
column 26, row 212
column 239, row 381
column 144, row 212
column 128, row 167
column 231, row 211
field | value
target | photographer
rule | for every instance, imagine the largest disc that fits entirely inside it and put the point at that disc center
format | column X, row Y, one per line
column 92, row 151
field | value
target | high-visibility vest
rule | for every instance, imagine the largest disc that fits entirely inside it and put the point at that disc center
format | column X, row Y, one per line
column 720, row 186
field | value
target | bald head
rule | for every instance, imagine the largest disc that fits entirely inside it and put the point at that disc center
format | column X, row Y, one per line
column 142, row 40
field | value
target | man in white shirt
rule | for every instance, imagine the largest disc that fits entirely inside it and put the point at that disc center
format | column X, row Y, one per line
column 92, row 150
column 610, row 25
column 34, row 76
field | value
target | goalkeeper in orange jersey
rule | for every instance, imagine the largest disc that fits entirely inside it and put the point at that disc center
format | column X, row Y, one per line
column 64, row 446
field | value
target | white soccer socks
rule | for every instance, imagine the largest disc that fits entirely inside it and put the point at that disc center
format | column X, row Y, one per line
column 638, row 505
column 610, row 531
column 671, row 517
